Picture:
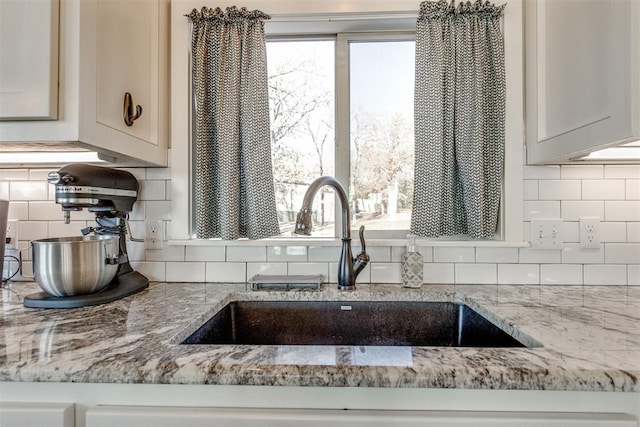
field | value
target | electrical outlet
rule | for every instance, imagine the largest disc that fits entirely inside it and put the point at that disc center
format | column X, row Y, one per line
column 590, row 232
column 154, row 234
column 546, row 234
column 12, row 235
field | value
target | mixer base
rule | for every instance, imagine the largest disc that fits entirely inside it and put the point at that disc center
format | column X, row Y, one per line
column 120, row 287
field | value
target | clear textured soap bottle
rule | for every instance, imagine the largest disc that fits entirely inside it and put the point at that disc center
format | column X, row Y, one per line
column 412, row 265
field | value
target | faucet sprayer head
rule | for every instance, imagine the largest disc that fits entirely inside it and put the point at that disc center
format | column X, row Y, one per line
column 303, row 222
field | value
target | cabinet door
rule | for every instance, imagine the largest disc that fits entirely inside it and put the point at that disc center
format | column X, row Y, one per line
column 28, row 59
column 124, row 48
column 21, row 414
column 578, row 77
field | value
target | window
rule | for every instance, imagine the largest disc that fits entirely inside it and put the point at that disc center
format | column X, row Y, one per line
column 355, row 31
column 376, row 167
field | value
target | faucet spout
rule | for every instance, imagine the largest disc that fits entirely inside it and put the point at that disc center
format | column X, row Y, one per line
column 348, row 266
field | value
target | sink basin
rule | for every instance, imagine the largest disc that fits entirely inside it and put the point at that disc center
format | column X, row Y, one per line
column 357, row 323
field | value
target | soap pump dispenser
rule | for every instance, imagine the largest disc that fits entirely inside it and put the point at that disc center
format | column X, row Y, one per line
column 412, row 265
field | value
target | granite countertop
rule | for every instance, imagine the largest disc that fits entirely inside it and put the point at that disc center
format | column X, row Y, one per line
column 590, row 340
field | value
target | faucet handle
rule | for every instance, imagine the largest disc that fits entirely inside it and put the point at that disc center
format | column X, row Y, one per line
column 362, row 243
column 361, row 261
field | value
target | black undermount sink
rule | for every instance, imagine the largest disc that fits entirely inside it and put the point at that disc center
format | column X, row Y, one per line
column 357, row 323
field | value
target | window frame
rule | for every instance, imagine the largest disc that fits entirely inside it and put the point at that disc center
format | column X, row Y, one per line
column 511, row 217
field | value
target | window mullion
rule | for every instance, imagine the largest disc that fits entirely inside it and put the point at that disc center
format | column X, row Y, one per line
column 342, row 122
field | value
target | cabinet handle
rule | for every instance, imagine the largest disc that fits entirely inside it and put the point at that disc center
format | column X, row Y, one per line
column 127, row 113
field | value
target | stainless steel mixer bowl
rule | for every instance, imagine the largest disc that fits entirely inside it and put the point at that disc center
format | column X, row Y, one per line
column 78, row 265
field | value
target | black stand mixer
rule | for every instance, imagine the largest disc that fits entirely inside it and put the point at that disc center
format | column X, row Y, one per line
column 110, row 195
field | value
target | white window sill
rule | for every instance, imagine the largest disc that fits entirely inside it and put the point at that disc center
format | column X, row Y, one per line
column 330, row 241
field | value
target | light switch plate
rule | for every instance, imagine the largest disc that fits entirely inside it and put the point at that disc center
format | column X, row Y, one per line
column 546, row 233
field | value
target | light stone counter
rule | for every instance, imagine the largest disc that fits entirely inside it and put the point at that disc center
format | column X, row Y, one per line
column 590, row 339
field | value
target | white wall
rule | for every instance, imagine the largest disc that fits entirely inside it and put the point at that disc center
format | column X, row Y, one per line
column 568, row 192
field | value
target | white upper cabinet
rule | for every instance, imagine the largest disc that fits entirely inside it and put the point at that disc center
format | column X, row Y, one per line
column 107, row 48
column 29, row 75
column 581, row 77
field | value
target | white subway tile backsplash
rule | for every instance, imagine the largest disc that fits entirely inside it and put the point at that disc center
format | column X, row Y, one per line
column 49, row 211
column 603, row 189
column 622, row 253
column 168, row 253
column 205, row 253
column 19, row 210
column 60, row 229
column 28, row 190
column 472, row 274
column 530, row 189
column 613, row 232
column 14, row 174
column 154, row 271
column 622, row 171
column 185, row 272
column 633, row 275
column 454, row 254
column 541, row 209
column 39, row 174
column 152, row 190
column 286, row 253
column 167, row 190
column 573, row 210
column 622, row 211
column 573, row 254
column 497, row 255
column 158, row 209
column 159, row 173
column 4, row 191
column 611, row 192
column 277, row 268
column 385, row 272
column 553, row 189
column 633, row 231
column 438, row 273
column 605, row 274
column 570, row 231
column 541, row 172
column 246, row 253
column 514, row 274
column 323, row 253
column 33, row 230
column 582, row 172
column 632, row 187
column 234, row 272
column 561, row 274
column 537, row 256
column 305, row 268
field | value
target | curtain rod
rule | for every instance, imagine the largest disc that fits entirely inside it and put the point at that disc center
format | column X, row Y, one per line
column 341, row 16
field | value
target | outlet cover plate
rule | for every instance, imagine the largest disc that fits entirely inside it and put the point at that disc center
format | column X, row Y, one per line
column 590, row 232
column 154, row 234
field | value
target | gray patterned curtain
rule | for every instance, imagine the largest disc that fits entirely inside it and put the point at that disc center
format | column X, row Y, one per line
column 459, row 119
column 234, row 191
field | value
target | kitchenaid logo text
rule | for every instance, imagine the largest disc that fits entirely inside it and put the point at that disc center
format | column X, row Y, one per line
column 75, row 189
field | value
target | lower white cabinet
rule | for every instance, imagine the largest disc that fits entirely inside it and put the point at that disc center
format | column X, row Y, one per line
column 149, row 416
column 36, row 414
